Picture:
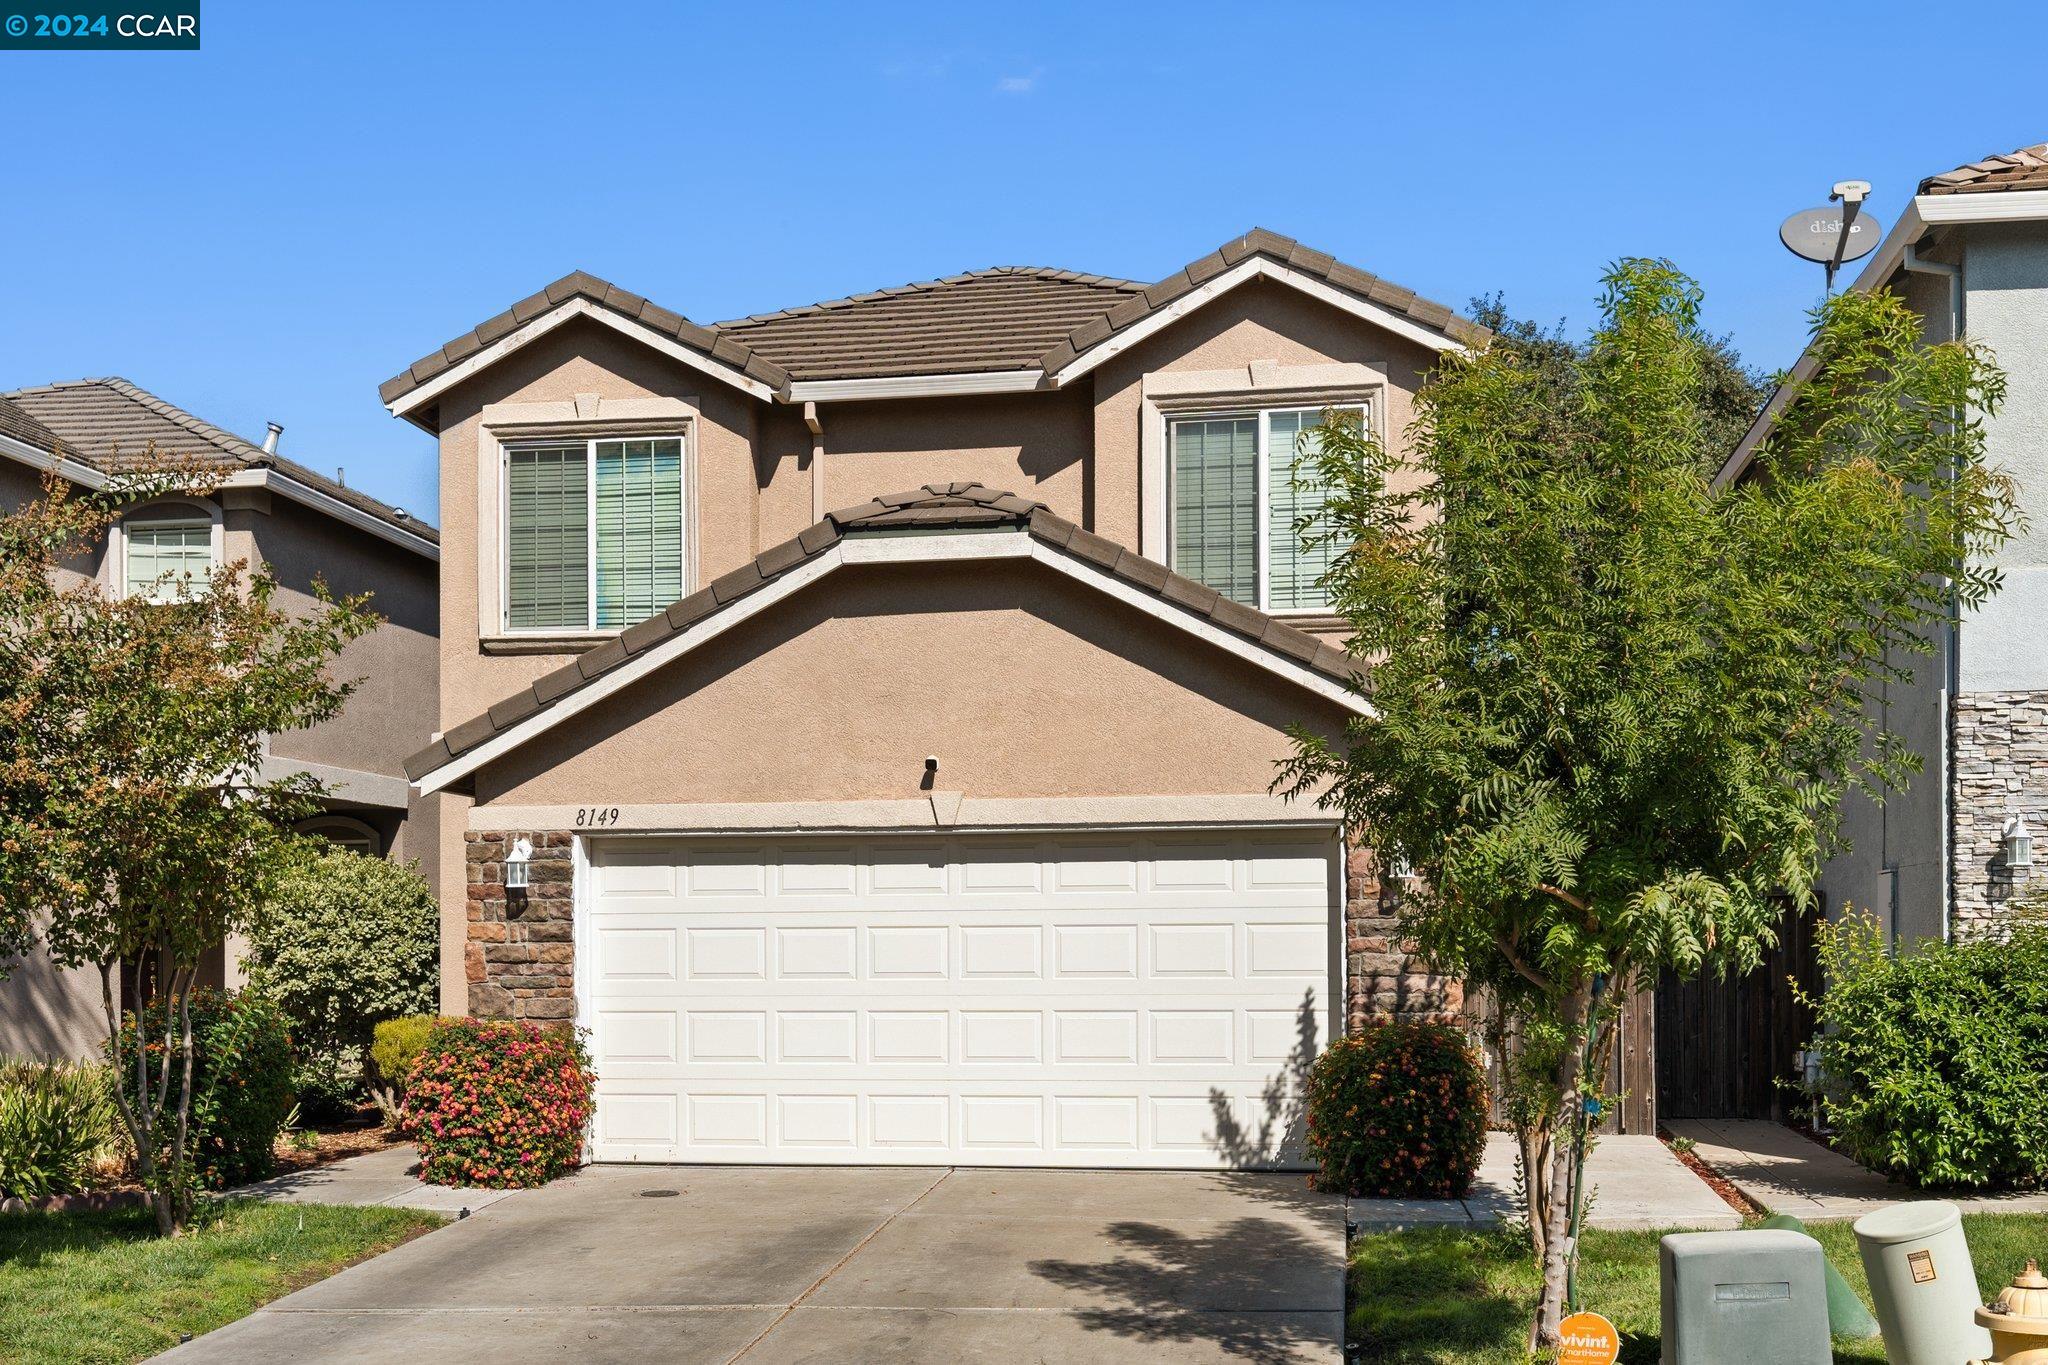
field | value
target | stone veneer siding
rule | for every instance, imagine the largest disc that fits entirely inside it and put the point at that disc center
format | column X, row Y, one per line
column 521, row 956
column 2001, row 766
column 1383, row 978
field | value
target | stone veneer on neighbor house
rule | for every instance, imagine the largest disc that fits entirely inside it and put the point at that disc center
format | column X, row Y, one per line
column 2001, row 766
column 521, row 956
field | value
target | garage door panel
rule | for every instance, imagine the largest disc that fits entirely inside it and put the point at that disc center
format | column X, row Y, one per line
column 1107, row 1000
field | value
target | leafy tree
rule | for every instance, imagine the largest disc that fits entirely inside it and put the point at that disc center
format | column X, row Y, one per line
column 1615, row 710
column 132, row 812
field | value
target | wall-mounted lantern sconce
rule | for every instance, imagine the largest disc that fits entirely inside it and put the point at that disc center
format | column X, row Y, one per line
column 518, row 870
column 2018, row 844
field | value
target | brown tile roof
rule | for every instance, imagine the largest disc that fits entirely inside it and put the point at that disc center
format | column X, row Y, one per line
column 22, row 427
column 1006, row 318
column 111, row 424
column 1287, row 251
column 935, row 507
column 581, row 284
column 1000, row 319
column 2025, row 169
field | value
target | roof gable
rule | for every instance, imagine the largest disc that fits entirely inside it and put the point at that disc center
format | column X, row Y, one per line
column 580, row 291
column 1207, row 277
column 895, row 529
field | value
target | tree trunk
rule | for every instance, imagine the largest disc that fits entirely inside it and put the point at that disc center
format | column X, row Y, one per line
column 1534, row 1141
column 1557, row 1211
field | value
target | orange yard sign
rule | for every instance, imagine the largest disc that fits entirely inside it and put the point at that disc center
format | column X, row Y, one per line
column 1587, row 1339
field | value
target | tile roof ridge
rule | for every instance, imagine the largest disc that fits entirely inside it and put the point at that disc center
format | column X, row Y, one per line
column 1106, row 283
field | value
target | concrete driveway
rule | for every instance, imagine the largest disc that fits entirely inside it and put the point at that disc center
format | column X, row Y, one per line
column 772, row 1264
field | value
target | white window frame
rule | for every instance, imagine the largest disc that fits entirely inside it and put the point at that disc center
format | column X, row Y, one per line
column 506, row 449
column 349, row 828
column 165, row 513
column 1264, row 414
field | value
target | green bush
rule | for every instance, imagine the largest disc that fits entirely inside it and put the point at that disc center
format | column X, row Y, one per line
column 1935, row 1061
column 347, row 941
column 498, row 1103
column 394, row 1047
column 57, row 1122
column 241, row 1083
column 1397, row 1112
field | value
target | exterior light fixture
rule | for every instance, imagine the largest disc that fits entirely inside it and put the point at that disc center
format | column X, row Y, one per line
column 2019, row 844
column 518, row 864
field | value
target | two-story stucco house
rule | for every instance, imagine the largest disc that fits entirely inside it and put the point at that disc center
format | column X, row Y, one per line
column 265, row 510
column 1970, row 254
column 862, row 717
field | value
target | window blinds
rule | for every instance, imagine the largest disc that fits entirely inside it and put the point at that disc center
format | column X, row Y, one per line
column 547, row 528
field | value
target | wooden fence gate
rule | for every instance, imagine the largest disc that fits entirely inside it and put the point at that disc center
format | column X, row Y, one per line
column 1725, row 1049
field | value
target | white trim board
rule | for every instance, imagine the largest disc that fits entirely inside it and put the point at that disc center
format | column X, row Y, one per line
column 916, row 386
column 877, row 550
column 917, row 814
column 1245, row 271
column 546, row 322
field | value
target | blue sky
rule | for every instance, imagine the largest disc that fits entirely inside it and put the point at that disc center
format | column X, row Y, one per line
column 270, row 227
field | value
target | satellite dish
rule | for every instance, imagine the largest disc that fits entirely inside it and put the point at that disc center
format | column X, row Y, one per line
column 1817, row 234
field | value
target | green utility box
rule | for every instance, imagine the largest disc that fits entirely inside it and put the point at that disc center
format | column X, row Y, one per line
column 1757, row 1297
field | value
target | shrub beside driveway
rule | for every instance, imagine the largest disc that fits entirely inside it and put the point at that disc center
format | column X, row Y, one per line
column 103, row 1287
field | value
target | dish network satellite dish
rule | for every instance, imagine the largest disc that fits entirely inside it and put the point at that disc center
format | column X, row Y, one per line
column 1832, row 235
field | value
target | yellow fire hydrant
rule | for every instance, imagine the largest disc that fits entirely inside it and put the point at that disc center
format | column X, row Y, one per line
column 2018, row 1320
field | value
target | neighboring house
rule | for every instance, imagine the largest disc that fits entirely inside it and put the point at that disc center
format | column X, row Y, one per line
column 937, row 827
column 301, row 526
column 1970, row 254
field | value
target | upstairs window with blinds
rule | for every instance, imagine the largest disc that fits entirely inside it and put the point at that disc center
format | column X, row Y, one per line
column 166, row 560
column 1242, row 483
column 593, row 533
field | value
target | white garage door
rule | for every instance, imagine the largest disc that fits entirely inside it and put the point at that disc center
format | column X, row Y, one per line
column 1139, row 1000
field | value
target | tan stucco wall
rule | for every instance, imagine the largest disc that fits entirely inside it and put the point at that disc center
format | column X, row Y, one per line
column 1022, row 682
column 1034, row 445
column 579, row 357
column 50, row 1011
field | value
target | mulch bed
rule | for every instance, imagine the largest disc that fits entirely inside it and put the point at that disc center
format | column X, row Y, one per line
column 1720, row 1184
column 333, row 1144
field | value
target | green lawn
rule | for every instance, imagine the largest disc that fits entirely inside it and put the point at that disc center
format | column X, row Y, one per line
column 102, row 1287
column 1435, row 1295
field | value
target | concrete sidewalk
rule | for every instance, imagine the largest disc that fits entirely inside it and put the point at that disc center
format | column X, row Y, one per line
column 384, row 1177
column 1787, row 1172
column 1637, row 1183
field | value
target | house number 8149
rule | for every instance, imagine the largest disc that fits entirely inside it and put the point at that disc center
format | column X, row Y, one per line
column 596, row 817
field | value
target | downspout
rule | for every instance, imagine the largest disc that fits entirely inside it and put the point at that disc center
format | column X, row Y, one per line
column 1914, row 263
column 816, row 426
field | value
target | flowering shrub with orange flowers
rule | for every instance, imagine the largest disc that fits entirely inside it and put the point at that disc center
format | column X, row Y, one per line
column 241, row 1082
column 1397, row 1112
column 498, row 1103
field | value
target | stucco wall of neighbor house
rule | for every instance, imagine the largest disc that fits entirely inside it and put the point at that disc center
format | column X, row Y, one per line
column 1895, row 865
column 2001, row 707
column 50, row 1011
column 2005, row 278
column 20, row 484
column 578, row 357
column 396, row 667
column 1022, row 683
